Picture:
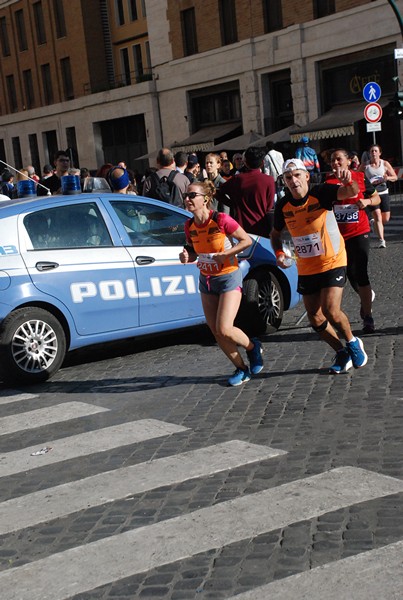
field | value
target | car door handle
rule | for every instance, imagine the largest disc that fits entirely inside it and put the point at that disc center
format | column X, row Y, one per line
column 46, row 266
column 144, row 260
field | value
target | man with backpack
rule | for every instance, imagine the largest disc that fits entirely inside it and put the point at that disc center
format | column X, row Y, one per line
column 166, row 184
column 7, row 187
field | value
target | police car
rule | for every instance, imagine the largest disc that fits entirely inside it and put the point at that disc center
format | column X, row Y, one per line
column 92, row 268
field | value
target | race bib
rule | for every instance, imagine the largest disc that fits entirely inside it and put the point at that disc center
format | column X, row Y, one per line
column 346, row 213
column 307, row 246
column 206, row 262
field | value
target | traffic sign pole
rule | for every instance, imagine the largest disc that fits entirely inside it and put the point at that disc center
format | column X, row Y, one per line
column 372, row 111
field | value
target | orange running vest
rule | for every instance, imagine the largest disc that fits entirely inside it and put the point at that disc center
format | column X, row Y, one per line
column 318, row 243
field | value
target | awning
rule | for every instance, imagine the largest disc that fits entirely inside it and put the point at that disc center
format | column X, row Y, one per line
column 239, row 143
column 282, row 135
column 204, row 139
column 338, row 121
column 150, row 155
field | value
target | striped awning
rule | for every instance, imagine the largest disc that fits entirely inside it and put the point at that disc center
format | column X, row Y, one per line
column 337, row 122
column 205, row 138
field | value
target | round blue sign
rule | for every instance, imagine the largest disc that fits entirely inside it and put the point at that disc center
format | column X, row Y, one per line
column 372, row 92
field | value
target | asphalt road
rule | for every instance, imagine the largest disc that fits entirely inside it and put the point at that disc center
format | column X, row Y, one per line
column 137, row 473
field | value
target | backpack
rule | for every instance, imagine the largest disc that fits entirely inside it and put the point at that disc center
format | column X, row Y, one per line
column 163, row 188
column 5, row 189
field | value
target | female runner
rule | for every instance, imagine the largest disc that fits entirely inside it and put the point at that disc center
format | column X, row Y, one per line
column 379, row 172
column 208, row 239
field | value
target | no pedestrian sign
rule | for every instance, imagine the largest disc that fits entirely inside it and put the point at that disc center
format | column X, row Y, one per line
column 373, row 112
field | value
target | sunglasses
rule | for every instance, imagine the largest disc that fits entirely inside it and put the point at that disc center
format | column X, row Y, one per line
column 191, row 195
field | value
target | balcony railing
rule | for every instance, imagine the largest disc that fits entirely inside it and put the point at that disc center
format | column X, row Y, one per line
column 123, row 80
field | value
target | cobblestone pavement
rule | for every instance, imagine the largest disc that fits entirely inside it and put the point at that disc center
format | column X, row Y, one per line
column 217, row 491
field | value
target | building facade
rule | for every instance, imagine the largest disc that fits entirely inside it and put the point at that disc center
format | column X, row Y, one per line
column 117, row 79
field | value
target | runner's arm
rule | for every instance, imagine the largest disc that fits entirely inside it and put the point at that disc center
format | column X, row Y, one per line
column 390, row 174
column 276, row 242
column 244, row 241
column 277, row 245
column 348, row 188
column 188, row 254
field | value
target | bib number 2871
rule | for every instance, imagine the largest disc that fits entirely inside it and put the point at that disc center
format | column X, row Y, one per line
column 308, row 245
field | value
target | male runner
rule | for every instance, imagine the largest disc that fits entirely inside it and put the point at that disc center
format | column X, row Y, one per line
column 321, row 256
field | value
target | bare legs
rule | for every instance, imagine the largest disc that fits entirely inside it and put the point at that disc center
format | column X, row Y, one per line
column 380, row 219
column 220, row 312
column 326, row 304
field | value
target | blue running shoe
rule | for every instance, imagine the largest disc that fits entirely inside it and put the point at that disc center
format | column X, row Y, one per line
column 255, row 357
column 357, row 353
column 239, row 377
column 342, row 362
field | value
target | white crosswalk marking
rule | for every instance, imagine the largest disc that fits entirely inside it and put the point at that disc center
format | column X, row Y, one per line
column 89, row 566
column 16, row 398
column 46, row 416
column 91, row 442
column 92, row 491
column 373, row 575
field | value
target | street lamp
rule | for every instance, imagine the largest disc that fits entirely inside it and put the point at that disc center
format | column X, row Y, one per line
column 397, row 13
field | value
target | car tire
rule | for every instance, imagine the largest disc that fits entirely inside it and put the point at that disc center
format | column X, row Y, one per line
column 262, row 304
column 32, row 346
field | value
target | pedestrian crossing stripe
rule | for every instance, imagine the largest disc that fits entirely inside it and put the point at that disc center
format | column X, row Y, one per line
column 46, row 416
column 84, row 444
column 87, row 567
column 17, row 397
column 68, row 498
column 373, row 575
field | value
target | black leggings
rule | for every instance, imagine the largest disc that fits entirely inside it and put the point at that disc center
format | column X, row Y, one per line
column 357, row 260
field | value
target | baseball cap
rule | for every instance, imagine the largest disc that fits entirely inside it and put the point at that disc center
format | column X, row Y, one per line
column 292, row 164
column 305, row 139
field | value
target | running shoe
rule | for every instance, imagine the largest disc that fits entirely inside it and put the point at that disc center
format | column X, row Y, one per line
column 382, row 244
column 342, row 362
column 255, row 357
column 357, row 353
column 239, row 377
column 368, row 325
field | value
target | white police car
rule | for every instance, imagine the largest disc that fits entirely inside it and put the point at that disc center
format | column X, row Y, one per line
column 92, row 268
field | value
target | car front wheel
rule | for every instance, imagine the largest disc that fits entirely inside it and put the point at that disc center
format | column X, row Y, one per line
column 262, row 303
column 32, row 346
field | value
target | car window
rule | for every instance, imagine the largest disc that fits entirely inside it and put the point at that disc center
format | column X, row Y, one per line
column 149, row 225
column 71, row 226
